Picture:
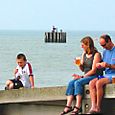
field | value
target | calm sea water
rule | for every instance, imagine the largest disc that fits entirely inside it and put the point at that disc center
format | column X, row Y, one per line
column 52, row 62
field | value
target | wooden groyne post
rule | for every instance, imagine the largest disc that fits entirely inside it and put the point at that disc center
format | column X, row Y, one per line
column 57, row 37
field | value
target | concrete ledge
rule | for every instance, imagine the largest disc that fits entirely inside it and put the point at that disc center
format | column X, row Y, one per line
column 108, row 103
column 32, row 95
column 109, row 91
column 45, row 94
column 48, row 101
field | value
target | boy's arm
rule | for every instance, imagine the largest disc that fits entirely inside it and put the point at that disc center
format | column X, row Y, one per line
column 14, row 72
column 31, row 81
column 31, row 76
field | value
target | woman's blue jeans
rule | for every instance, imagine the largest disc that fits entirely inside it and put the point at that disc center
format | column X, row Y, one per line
column 75, row 87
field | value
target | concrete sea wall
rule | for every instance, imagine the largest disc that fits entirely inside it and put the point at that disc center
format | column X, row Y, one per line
column 48, row 101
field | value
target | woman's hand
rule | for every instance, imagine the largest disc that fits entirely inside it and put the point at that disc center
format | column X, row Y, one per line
column 102, row 65
column 98, row 65
column 105, row 65
column 75, row 76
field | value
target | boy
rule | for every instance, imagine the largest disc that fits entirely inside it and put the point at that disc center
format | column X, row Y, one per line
column 23, row 74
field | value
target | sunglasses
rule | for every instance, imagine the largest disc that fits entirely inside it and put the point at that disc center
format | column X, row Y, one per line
column 103, row 45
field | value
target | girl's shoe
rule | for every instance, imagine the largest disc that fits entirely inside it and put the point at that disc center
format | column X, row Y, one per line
column 75, row 112
column 65, row 112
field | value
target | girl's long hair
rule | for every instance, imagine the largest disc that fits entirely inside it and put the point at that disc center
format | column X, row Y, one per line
column 88, row 41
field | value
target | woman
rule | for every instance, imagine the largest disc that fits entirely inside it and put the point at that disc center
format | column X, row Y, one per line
column 89, row 59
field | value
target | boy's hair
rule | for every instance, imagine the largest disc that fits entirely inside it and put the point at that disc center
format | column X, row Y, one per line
column 21, row 56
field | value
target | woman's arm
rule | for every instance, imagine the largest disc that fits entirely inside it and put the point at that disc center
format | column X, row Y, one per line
column 81, row 65
column 97, row 59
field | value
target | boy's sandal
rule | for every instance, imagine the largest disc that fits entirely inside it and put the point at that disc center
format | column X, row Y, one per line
column 75, row 112
column 65, row 112
column 6, row 88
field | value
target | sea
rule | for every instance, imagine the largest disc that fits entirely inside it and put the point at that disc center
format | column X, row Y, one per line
column 52, row 63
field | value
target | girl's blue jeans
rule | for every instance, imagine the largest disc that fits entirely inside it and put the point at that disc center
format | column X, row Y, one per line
column 75, row 87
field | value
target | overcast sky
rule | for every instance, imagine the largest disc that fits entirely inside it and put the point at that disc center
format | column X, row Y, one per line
column 66, row 14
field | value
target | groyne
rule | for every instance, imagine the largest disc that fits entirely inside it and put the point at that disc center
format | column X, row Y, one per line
column 57, row 37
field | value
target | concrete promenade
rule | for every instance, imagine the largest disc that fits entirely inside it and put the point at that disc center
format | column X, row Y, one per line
column 48, row 101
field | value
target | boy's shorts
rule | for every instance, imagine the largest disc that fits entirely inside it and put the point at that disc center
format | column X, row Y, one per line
column 17, row 83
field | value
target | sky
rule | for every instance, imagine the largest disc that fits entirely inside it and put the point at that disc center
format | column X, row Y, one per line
column 93, row 15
